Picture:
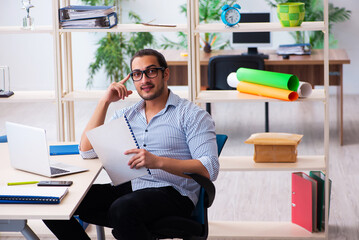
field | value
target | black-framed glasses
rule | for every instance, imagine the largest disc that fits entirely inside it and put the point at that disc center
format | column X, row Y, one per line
column 151, row 72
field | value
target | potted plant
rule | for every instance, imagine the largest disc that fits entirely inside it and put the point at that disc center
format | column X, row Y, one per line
column 314, row 12
column 114, row 49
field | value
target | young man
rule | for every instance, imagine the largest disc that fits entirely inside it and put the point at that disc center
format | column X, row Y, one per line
column 175, row 136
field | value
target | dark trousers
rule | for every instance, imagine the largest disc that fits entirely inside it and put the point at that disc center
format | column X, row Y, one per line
column 128, row 213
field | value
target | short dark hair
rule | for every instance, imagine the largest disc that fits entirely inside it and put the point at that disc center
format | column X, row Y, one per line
column 150, row 52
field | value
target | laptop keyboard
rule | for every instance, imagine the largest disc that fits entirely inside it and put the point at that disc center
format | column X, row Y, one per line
column 57, row 171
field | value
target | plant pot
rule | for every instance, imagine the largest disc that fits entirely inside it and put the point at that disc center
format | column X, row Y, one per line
column 207, row 48
column 291, row 14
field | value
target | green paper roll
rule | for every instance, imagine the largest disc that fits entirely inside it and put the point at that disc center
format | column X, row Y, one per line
column 267, row 78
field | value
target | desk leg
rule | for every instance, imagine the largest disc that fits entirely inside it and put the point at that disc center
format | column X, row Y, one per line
column 18, row 226
column 340, row 104
column 29, row 234
column 266, row 113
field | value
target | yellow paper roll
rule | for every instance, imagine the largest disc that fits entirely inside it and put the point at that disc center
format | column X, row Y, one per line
column 265, row 91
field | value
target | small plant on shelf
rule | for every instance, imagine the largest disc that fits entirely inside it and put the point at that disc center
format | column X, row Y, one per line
column 314, row 12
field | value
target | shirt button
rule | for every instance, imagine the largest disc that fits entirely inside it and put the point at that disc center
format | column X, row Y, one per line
column 146, row 130
column 144, row 145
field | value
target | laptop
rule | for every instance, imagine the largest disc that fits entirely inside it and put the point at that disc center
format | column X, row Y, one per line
column 28, row 151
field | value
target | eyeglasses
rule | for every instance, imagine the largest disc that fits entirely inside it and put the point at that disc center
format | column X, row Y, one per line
column 150, row 73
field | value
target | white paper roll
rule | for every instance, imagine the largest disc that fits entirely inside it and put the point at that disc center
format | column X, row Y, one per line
column 232, row 80
column 304, row 89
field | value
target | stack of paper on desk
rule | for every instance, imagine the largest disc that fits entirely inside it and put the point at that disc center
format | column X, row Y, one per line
column 295, row 49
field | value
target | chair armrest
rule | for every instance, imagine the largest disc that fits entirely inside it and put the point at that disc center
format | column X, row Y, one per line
column 207, row 185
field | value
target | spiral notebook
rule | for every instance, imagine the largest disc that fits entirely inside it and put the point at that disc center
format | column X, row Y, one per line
column 43, row 195
column 110, row 141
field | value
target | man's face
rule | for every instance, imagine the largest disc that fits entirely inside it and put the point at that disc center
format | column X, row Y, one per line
column 149, row 88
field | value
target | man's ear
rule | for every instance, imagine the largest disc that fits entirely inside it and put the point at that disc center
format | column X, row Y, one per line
column 166, row 74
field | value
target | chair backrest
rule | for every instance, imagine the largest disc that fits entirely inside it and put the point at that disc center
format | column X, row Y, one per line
column 199, row 213
column 219, row 67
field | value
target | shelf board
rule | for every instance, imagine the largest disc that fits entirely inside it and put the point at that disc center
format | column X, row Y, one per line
column 246, row 163
column 95, row 95
column 234, row 95
column 259, row 230
column 18, row 29
column 30, row 96
column 258, row 27
column 133, row 28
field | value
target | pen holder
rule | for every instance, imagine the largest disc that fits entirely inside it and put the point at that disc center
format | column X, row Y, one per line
column 291, row 14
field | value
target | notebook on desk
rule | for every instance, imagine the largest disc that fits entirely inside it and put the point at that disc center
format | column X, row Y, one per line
column 43, row 195
column 28, row 151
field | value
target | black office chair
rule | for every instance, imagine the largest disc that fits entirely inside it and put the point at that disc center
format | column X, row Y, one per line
column 193, row 228
column 219, row 67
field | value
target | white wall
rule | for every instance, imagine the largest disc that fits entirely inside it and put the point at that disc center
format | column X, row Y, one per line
column 30, row 56
column 347, row 35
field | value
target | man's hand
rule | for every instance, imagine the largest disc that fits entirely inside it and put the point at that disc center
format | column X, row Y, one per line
column 143, row 158
column 117, row 91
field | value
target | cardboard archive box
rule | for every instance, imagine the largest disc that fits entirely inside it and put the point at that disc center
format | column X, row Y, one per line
column 275, row 147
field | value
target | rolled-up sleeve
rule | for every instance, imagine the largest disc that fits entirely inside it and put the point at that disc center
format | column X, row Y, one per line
column 211, row 163
column 88, row 154
column 202, row 142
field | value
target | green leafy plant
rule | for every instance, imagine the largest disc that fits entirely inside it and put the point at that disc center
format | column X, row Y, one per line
column 209, row 11
column 115, row 49
column 314, row 12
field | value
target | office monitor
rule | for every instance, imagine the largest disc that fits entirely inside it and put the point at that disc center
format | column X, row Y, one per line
column 253, row 39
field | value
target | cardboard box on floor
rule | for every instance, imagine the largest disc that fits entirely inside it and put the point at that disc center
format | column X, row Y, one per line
column 275, row 147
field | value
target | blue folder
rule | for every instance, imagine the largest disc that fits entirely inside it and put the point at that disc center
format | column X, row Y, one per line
column 64, row 149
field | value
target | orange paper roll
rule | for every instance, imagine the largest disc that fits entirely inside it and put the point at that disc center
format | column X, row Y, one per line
column 265, row 91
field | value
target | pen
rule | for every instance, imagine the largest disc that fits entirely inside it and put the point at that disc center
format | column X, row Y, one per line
column 22, row 183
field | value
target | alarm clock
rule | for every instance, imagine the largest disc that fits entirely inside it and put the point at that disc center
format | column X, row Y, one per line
column 230, row 15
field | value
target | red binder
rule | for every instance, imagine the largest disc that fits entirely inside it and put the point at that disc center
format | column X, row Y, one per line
column 304, row 201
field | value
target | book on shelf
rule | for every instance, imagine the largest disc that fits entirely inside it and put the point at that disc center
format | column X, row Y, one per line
column 29, row 195
column 76, row 12
column 294, row 49
column 304, row 201
column 107, row 21
column 320, row 178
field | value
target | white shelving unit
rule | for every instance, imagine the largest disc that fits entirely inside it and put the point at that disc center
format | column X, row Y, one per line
column 30, row 96
column 20, row 30
column 65, row 96
column 50, row 96
column 262, row 230
column 65, row 84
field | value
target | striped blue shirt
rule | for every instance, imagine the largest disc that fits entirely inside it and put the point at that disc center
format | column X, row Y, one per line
column 182, row 131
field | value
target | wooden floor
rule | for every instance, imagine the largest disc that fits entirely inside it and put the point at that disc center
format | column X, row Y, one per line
column 250, row 196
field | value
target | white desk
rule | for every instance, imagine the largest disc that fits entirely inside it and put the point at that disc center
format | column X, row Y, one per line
column 81, row 184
